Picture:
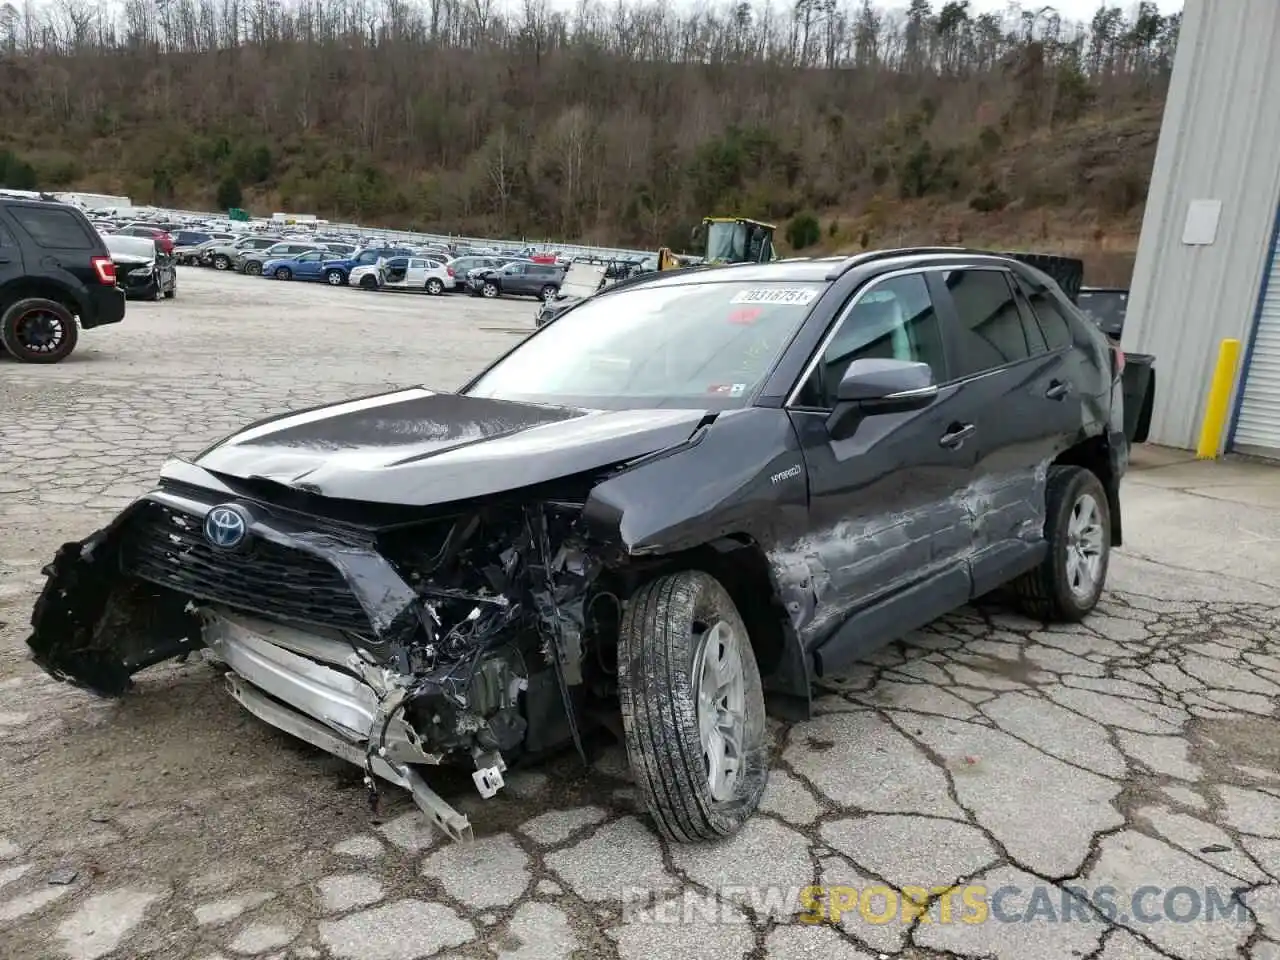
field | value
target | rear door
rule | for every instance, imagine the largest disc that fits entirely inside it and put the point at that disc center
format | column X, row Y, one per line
column 65, row 239
column 417, row 273
column 1022, row 411
column 10, row 253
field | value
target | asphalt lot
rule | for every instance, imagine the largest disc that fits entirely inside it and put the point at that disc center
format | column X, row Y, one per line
column 1138, row 752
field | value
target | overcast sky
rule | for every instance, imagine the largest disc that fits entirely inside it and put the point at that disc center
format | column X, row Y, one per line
column 1069, row 9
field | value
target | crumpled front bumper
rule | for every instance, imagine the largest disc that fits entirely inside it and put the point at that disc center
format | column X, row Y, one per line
column 98, row 621
column 319, row 690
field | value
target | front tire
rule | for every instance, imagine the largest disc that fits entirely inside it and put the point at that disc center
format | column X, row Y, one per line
column 692, row 707
column 36, row 330
column 284, row 273
column 368, row 283
column 1067, row 585
column 489, row 290
column 221, row 262
column 253, row 268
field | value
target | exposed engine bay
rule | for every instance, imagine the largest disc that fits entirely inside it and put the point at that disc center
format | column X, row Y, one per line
column 456, row 639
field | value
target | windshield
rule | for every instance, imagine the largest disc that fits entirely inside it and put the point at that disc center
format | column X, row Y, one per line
column 726, row 241
column 694, row 345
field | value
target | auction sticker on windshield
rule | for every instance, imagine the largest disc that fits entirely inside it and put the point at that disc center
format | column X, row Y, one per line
column 787, row 296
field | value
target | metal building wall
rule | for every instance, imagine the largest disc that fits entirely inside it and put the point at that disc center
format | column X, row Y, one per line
column 1220, row 140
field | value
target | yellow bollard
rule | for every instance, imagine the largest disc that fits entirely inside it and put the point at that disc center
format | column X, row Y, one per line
column 1216, row 406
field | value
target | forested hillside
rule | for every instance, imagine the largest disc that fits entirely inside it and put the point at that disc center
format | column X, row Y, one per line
column 623, row 121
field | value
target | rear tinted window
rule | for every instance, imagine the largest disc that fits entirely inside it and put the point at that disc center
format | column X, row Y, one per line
column 53, row 228
column 1049, row 312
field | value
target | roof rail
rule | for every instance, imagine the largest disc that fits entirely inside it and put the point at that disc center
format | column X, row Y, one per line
column 861, row 259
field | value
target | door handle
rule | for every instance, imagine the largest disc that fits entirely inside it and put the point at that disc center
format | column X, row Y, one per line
column 957, row 434
column 1057, row 389
column 5, row 259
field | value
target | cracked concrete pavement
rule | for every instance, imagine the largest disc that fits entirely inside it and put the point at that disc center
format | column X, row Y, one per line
column 1140, row 749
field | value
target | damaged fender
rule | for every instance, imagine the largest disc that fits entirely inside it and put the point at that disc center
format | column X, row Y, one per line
column 715, row 489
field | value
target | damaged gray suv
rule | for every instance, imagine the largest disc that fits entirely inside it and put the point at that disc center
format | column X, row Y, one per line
column 683, row 498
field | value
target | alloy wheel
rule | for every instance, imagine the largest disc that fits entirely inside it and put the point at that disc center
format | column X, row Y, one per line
column 40, row 331
column 1085, row 545
column 720, row 694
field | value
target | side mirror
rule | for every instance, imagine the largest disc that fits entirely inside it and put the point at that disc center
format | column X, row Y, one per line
column 873, row 386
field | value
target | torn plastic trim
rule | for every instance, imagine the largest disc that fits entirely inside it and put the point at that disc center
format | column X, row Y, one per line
column 89, row 632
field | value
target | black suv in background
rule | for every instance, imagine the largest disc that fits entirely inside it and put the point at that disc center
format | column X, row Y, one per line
column 521, row 278
column 55, row 270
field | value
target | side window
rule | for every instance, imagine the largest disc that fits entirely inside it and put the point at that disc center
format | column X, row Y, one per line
column 52, row 228
column 1035, row 336
column 991, row 326
column 1054, row 323
column 6, row 238
column 894, row 320
column 398, row 263
column 418, row 264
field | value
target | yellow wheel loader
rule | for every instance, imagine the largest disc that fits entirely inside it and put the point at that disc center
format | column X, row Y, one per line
column 728, row 240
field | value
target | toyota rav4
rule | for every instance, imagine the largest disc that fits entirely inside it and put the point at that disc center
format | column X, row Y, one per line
column 682, row 498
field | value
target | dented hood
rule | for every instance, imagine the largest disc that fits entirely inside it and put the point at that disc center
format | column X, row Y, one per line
column 417, row 448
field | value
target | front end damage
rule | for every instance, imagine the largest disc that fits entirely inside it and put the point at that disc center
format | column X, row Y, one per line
column 457, row 638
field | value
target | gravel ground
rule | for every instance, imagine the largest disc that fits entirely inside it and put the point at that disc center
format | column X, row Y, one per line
column 1140, row 749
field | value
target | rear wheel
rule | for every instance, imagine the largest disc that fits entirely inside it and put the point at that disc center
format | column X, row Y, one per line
column 334, row 278
column 284, row 273
column 692, row 707
column 435, row 287
column 548, row 292
column 36, row 330
column 1067, row 585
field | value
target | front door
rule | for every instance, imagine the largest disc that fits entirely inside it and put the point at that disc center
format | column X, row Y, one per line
column 395, row 270
column 888, row 514
column 515, row 278
column 308, row 265
column 1024, row 410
